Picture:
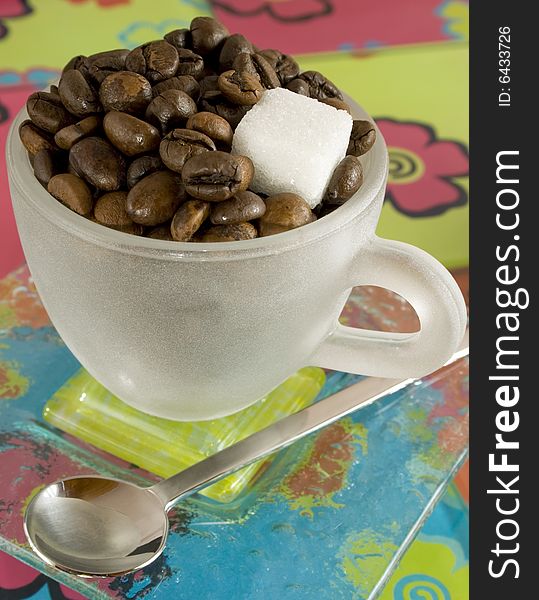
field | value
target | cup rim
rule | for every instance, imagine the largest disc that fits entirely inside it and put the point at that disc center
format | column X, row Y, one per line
column 35, row 195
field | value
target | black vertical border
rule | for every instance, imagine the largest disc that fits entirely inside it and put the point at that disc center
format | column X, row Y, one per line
column 493, row 129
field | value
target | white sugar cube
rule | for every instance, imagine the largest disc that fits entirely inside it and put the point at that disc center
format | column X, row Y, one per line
column 295, row 143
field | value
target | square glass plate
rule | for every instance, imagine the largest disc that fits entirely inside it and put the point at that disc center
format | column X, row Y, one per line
column 330, row 518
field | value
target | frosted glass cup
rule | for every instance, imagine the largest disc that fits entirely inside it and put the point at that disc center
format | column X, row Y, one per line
column 192, row 331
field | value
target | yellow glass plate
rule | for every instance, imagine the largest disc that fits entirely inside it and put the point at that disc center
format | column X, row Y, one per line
column 88, row 411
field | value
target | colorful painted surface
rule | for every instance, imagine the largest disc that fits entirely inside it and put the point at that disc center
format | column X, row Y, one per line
column 437, row 564
column 341, row 504
column 435, row 567
column 88, row 411
column 299, row 26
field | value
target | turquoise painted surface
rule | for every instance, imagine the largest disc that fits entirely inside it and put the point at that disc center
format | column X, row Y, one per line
column 329, row 519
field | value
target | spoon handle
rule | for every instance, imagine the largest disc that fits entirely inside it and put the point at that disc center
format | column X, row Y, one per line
column 281, row 434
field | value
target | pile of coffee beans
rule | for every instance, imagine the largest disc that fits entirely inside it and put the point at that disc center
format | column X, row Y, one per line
column 140, row 140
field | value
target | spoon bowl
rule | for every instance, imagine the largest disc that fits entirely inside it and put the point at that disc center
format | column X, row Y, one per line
column 93, row 526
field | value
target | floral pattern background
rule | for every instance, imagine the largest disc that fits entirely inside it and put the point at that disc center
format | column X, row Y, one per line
column 286, row 12
column 329, row 25
column 10, row 9
column 428, row 170
column 422, row 169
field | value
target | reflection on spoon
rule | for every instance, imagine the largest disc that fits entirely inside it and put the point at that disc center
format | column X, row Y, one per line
column 97, row 526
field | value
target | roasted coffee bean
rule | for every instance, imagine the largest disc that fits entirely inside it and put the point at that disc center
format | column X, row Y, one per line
column 207, row 34
column 111, row 210
column 271, row 55
column 161, row 232
column 283, row 212
column 320, row 87
column 240, row 88
column 190, row 63
column 345, row 181
column 156, row 61
column 71, row 191
column 244, row 206
column 266, row 72
column 208, row 70
column 136, row 61
column 99, row 163
column 130, row 135
column 102, row 64
column 234, row 45
column 216, row 103
column 336, row 103
column 170, row 109
column 34, row 139
column 53, row 89
column 109, row 59
column 71, row 170
column 193, row 87
column 178, row 146
column 47, row 112
column 244, row 62
column 141, row 167
column 77, row 62
column 230, row 233
column 47, row 164
column 126, row 92
column 209, row 84
column 77, row 94
column 212, row 125
column 257, row 65
column 299, row 86
column 285, row 66
column 184, row 83
column 66, row 137
column 362, row 137
column 155, row 199
column 179, row 38
column 217, row 176
column 188, row 219
column 322, row 210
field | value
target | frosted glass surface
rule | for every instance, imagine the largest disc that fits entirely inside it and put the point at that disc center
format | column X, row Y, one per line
column 198, row 331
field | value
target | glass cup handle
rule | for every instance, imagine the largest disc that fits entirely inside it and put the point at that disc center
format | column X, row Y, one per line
column 428, row 287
